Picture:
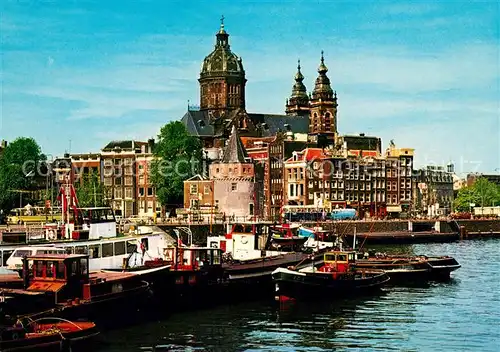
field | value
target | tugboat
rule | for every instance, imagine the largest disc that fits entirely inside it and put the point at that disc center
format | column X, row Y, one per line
column 336, row 277
column 409, row 268
column 60, row 285
column 46, row 334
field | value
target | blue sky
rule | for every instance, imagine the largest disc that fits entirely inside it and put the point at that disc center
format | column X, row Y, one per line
column 426, row 74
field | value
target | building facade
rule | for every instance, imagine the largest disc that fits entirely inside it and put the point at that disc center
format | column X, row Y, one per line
column 124, row 165
column 434, row 193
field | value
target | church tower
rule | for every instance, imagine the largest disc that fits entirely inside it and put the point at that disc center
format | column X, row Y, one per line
column 323, row 116
column 298, row 104
column 222, row 79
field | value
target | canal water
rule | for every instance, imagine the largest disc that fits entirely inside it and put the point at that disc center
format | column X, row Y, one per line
column 460, row 315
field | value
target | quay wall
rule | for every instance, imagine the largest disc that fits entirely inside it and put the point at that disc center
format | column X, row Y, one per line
column 472, row 227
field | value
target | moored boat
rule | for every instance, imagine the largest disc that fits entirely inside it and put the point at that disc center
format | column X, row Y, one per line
column 409, row 268
column 44, row 334
column 336, row 277
column 61, row 285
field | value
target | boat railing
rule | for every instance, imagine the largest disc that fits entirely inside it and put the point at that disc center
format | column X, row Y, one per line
column 52, row 318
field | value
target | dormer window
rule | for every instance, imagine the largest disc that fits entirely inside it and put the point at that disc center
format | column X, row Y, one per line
column 201, row 123
column 287, row 127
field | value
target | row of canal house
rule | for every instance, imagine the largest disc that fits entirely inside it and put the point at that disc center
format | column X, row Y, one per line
column 124, row 168
column 256, row 177
column 376, row 185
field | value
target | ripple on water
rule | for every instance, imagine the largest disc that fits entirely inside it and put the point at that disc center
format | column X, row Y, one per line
column 462, row 314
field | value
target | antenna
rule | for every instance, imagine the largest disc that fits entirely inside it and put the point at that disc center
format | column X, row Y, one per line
column 69, row 147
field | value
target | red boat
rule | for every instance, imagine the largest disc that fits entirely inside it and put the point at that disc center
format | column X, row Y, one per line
column 45, row 334
column 61, row 285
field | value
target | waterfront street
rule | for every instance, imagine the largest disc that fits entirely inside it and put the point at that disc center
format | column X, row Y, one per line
column 460, row 315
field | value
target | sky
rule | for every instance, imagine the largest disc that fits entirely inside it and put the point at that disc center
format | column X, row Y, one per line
column 77, row 74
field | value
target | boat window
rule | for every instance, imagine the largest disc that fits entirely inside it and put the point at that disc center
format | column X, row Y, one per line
column 38, row 265
column 215, row 257
column 19, row 253
column 60, row 270
column 145, row 242
column 351, row 256
column 94, row 251
column 131, row 247
column 74, row 268
column 119, row 248
column 81, row 250
column 6, row 256
column 342, row 258
column 330, row 257
column 84, row 266
column 70, row 250
column 107, row 250
column 50, row 269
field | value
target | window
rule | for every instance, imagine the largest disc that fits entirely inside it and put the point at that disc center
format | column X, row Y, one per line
column 60, row 270
column 107, row 250
column 150, row 191
column 108, row 181
column 94, row 251
column 234, row 187
column 81, row 250
column 119, row 248
column 118, row 193
column 141, row 179
column 128, row 192
column 251, row 208
column 150, row 206
column 118, row 181
column 50, row 269
column 206, row 190
column 131, row 247
column 141, row 191
column 84, row 266
column 118, row 162
column 193, row 189
column 128, row 181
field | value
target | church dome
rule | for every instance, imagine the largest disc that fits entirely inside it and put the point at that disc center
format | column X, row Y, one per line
column 222, row 61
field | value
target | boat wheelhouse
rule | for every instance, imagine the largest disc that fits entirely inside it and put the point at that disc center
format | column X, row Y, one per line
column 62, row 285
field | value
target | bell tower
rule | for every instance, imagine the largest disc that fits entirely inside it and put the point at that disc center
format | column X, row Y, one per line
column 222, row 79
column 323, row 115
column 298, row 104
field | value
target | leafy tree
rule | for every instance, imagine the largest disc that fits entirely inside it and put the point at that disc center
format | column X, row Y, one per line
column 465, row 197
column 178, row 157
column 486, row 191
column 482, row 193
column 91, row 192
column 20, row 166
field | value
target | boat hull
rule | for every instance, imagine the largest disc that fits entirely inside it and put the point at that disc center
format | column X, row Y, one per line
column 401, row 268
column 71, row 336
column 291, row 285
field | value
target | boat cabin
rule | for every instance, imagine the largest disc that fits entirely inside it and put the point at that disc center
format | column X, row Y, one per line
column 65, row 275
column 193, row 258
column 338, row 261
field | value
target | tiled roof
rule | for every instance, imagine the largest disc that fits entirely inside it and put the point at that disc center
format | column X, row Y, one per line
column 198, row 123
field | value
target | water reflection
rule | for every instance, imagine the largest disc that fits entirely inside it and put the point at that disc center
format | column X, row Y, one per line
column 460, row 314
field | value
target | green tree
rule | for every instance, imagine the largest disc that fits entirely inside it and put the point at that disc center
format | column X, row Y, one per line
column 486, row 191
column 91, row 192
column 465, row 197
column 178, row 157
column 482, row 193
column 20, row 165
